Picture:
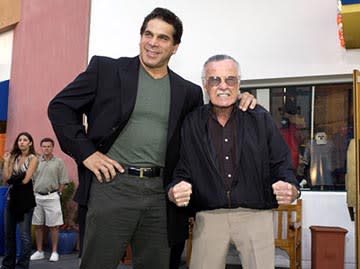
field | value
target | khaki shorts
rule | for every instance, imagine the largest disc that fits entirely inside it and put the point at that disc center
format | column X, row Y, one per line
column 48, row 210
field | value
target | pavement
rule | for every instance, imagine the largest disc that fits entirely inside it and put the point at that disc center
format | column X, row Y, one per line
column 71, row 261
column 67, row 261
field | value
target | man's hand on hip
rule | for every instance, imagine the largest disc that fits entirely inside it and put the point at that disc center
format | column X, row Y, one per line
column 102, row 166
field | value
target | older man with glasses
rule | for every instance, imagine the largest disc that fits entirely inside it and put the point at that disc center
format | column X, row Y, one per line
column 234, row 168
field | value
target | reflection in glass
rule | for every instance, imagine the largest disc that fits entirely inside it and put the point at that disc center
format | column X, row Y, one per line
column 316, row 121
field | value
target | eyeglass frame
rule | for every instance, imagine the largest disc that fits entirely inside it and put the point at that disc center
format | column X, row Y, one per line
column 222, row 79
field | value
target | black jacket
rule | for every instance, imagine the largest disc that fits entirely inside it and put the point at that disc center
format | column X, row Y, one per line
column 106, row 92
column 262, row 159
column 21, row 196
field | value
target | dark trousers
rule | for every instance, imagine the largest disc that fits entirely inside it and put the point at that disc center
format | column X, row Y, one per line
column 82, row 211
column 175, row 252
column 9, row 260
column 127, row 210
column 175, row 255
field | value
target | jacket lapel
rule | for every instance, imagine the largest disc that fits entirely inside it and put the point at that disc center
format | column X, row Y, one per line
column 128, row 77
column 177, row 98
column 240, row 122
column 208, row 145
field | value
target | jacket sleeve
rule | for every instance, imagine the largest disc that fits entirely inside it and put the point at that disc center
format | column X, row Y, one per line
column 66, row 112
column 182, row 169
column 280, row 158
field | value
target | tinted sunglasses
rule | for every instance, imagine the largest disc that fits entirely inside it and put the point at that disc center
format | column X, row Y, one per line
column 215, row 81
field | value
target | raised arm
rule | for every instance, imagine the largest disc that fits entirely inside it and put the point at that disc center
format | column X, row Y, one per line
column 33, row 164
column 8, row 166
column 66, row 112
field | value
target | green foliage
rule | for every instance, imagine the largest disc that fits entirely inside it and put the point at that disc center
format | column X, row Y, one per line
column 69, row 207
column 67, row 195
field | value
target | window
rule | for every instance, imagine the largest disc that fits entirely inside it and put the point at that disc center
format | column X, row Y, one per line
column 316, row 122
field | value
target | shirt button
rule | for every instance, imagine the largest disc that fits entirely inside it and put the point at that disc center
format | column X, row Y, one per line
column 226, row 157
column 229, row 175
column 226, row 140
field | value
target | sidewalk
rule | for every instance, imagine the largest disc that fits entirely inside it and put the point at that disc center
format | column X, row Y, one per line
column 68, row 261
column 71, row 261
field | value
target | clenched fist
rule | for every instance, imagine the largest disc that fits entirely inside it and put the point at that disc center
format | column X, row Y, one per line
column 285, row 192
column 180, row 194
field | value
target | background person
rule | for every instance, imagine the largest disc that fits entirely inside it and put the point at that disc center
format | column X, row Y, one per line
column 134, row 107
column 49, row 182
column 234, row 168
column 19, row 167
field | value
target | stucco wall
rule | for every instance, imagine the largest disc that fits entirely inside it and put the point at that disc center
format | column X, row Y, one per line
column 49, row 49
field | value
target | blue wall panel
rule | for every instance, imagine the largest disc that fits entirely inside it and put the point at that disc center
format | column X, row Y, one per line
column 350, row 2
column 4, row 93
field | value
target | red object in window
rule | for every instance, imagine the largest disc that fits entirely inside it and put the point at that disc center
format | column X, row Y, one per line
column 291, row 137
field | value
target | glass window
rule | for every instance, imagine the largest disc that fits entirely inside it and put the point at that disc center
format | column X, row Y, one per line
column 316, row 122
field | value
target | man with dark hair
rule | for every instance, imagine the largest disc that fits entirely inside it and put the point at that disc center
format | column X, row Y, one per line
column 49, row 181
column 134, row 107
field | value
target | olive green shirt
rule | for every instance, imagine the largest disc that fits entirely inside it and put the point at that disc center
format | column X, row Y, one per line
column 142, row 142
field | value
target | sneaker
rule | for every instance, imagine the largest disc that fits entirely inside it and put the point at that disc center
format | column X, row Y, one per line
column 54, row 257
column 38, row 255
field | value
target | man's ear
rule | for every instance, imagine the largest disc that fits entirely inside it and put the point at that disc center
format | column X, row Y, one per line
column 175, row 48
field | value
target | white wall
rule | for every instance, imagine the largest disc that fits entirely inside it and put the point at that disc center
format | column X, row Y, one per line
column 270, row 38
column 327, row 209
column 6, row 41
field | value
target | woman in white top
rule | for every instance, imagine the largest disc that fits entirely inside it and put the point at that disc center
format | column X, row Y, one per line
column 19, row 167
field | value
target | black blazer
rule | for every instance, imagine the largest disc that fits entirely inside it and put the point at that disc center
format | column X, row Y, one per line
column 106, row 93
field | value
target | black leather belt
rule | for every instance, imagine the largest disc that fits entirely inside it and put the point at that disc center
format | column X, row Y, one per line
column 47, row 193
column 144, row 171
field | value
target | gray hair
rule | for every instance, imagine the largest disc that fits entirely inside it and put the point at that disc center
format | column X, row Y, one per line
column 218, row 58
